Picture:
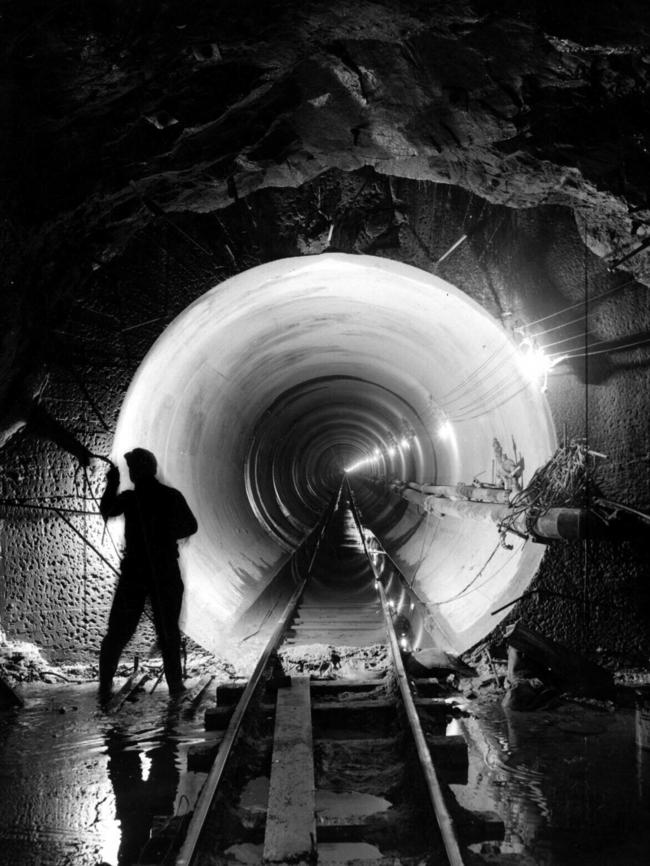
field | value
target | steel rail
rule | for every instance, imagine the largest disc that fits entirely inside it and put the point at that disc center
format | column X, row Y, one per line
column 445, row 822
column 443, row 817
column 206, row 797
column 200, row 813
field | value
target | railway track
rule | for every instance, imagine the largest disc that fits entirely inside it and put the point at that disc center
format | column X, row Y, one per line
column 335, row 770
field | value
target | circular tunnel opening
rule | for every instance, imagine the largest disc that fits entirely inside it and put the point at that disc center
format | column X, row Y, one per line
column 260, row 394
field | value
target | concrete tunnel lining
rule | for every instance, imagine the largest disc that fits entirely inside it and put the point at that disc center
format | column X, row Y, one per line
column 259, row 393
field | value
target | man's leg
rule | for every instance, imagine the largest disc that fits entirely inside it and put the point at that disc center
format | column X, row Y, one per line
column 166, row 601
column 125, row 614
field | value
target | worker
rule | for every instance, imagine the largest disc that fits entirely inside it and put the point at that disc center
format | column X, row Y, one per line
column 155, row 518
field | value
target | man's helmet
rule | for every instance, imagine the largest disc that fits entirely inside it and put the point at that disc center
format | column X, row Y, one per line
column 141, row 461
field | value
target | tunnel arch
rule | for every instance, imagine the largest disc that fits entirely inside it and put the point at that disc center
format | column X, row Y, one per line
column 257, row 394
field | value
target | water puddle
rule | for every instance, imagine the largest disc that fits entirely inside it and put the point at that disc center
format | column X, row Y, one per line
column 79, row 787
column 348, row 805
column 570, row 785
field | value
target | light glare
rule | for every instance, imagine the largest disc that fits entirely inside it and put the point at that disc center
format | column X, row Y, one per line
column 536, row 363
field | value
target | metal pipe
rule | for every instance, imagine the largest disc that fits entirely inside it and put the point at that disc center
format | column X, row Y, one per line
column 552, row 524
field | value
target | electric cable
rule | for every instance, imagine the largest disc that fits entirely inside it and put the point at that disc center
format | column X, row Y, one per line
column 492, row 391
column 579, row 320
column 491, row 394
column 424, row 539
column 96, row 501
column 643, row 342
column 495, row 406
column 488, row 243
column 581, row 303
column 470, row 380
column 474, row 373
column 462, row 592
column 578, row 336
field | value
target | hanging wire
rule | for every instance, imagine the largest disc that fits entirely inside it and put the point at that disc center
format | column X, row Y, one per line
column 578, row 320
column 85, row 571
column 424, row 540
column 488, row 243
column 497, row 390
column 106, row 530
column 475, row 373
column 580, row 303
column 579, row 336
column 494, row 406
column 642, row 342
column 460, row 391
column 464, row 591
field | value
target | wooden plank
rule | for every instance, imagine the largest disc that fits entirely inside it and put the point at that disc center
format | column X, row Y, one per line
column 339, row 638
column 134, row 682
column 330, row 687
column 229, row 693
column 290, row 835
column 208, row 791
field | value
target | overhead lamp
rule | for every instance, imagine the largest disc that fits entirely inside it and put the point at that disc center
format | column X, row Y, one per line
column 536, row 363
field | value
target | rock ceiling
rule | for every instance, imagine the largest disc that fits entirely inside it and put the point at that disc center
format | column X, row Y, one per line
column 117, row 113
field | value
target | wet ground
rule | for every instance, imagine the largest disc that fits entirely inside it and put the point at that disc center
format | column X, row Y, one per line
column 570, row 785
column 79, row 787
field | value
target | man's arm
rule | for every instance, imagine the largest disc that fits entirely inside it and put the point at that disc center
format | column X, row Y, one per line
column 110, row 504
column 182, row 520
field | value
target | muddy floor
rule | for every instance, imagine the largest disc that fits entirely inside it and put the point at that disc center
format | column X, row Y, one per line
column 79, row 787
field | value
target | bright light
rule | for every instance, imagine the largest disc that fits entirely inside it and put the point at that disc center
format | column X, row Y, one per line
column 536, row 363
column 377, row 454
column 354, row 466
column 445, row 431
column 145, row 765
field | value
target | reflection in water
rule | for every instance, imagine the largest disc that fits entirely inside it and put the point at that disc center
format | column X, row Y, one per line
column 144, row 777
column 568, row 784
column 79, row 787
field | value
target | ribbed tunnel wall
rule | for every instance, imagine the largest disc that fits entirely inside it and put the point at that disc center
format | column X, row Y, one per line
column 260, row 393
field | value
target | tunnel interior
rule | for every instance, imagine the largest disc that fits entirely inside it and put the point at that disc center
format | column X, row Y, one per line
column 259, row 396
column 275, row 242
column 145, row 175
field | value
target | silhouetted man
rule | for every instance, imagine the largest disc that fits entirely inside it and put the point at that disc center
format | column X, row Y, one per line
column 155, row 517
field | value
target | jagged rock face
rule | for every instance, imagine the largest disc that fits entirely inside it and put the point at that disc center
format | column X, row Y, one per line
column 122, row 108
